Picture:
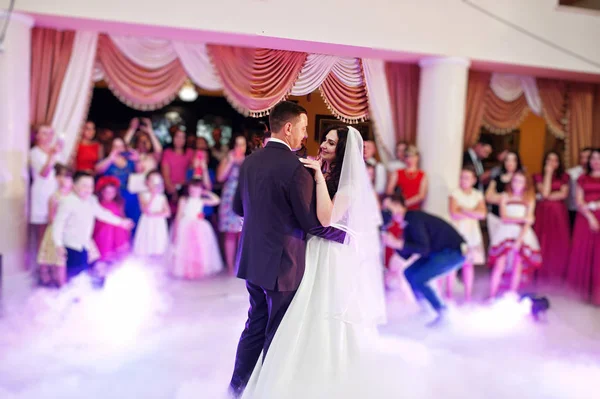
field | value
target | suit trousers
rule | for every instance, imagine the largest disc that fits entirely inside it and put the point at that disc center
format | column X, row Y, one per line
column 267, row 309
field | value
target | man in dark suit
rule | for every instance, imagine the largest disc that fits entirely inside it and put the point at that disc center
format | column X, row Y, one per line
column 276, row 197
column 474, row 157
column 438, row 248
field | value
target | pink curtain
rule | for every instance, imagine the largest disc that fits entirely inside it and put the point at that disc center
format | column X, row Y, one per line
column 479, row 83
column 50, row 54
column 348, row 103
column 138, row 87
column 403, row 86
column 254, row 80
column 500, row 116
column 581, row 104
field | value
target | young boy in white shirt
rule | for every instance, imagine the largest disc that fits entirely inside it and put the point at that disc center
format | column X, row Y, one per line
column 73, row 224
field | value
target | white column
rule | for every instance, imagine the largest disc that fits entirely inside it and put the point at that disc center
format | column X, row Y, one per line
column 15, row 66
column 440, row 127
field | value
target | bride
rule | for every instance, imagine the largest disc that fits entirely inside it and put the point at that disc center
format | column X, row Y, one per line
column 340, row 300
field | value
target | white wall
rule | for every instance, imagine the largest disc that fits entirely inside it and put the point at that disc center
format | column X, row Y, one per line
column 441, row 27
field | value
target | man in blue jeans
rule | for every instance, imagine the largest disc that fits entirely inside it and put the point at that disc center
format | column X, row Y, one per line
column 439, row 247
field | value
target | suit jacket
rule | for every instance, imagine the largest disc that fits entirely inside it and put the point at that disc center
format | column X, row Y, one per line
column 470, row 159
column 276, row 197
column 425, row 234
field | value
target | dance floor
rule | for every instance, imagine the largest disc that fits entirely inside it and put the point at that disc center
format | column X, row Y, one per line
column 146, row 336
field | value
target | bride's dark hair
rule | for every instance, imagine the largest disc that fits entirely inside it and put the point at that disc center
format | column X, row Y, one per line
column 335, row 168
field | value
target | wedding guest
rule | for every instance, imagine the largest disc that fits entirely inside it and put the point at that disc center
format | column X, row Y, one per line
column 552, row 218
column 497, row 170
column 152, row 235
column 230, row 224
column 121, row 163
column 207, row 174
column 266, row 134
column 89, row 151
column 42, row 159
column 141, row 137
column 369, row 154
column 434, row 245
column 219, row 150
column 52, row 267
column 175, row 163
column 105, row 137
column 113, row 241
column 196, row 252
column 399, row 162
column 583, row 273
column 475, row 156
column 467, row 209
column 371, row 172
column 74, row 224
column 302, row 152
column 411, row 181
column 259, row 137
column 202, row 144
column 200, row 168
column 514, row 246
column 574, row 174
column 493, row 195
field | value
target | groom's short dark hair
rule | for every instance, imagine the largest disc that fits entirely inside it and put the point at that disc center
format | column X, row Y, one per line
column 284, row 112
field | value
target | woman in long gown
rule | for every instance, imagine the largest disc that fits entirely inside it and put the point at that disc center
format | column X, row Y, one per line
column 340, row 299
column 583, row 273
column 552, row 219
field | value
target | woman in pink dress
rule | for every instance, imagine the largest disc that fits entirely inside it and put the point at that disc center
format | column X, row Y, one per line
column 113, row 242
column 174, row 166
column 583, row 273
column 552, row 219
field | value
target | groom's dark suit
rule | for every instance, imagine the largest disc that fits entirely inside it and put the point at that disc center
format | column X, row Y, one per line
column 276, row 197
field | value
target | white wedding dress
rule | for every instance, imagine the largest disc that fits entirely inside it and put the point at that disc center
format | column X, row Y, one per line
column 338, row 305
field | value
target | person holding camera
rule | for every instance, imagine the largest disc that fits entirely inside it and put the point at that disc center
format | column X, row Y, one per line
column 437, row 247
column 121, row 163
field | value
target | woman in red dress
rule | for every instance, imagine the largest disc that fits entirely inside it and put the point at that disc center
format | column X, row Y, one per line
column 411, row 181
column 89, row 151
column 583, row 273
column 552, row 219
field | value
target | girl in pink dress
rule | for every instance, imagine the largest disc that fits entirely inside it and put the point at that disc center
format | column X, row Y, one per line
column 196, row 251
column 552, row 219
column 113, row 241
column 514, row 246
column 583, row 273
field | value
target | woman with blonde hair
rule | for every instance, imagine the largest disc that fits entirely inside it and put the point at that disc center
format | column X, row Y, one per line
column 411, row 181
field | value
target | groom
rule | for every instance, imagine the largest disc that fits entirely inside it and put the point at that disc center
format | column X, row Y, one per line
column 276, row 197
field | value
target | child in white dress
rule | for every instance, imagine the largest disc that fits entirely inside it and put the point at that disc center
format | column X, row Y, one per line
column 196, row 251
column 467, row 209
column 514, row 246
column 152, row 234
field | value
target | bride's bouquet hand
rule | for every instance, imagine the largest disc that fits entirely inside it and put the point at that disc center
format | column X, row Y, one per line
column 316, row 165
